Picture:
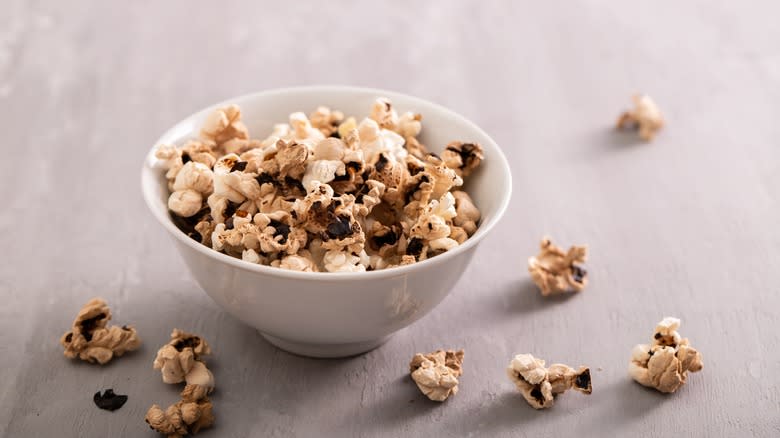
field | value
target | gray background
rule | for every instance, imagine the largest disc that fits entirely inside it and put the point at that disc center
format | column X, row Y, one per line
column 685, row 226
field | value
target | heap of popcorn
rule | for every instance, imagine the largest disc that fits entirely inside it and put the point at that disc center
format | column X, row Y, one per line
column 322, row 193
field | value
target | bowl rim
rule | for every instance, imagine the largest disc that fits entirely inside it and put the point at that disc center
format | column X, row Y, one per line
column 147, row 173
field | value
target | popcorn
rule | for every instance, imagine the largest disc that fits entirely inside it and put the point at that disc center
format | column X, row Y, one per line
column 322, row 193
column 224, row 124
column 463, row 157
column 180, row 360
column 556, row 271
column 193, row 181
column 187, row 416
column 467, row 215
column 436, row 374
column 326, row 120
column 664, row 363
column 646, row 117
column 409, row 125
column 540, row 385
column 91, row 340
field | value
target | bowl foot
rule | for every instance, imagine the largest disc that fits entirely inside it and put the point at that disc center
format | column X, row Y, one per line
column 325, row 350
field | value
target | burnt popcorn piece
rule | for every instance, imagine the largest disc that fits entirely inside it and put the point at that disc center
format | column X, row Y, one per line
column 539, row 385
column 239, row 166
column 414, row 247
column 381, row 163
column 556, row 271
column 282, row 229
column 265, row 178
column 108, row 400
column 91, row 338
column 340, row 228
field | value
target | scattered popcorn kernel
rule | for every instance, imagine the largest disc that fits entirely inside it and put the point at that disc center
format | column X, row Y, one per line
column 187, row 416
column 462, row 157
column 91, row 340
column 664, row 363
column 646, row 117
column 540, row 385
column 556, row 271
column 436, row 374
column 181, row 360
column 323, row 193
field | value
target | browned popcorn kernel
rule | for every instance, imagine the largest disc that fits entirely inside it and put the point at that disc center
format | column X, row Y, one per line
column 187, row 416
column 181, row 359
column 540, row 385
column 436, row 374
column 664, row 363
column 556, row 271
column 463, row 157
column 92, row 341
column 646, row 117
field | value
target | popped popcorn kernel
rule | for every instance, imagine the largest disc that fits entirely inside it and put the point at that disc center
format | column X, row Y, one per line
column 181, row 360
column 326, row 120
column 323, row 193
column 224, row 124
column 436, row 374
column 462, row 157
column 645, row 117
column 190, row 415
column 555, row 271
column 540, row 385
column 92, row 340
column 664, row 363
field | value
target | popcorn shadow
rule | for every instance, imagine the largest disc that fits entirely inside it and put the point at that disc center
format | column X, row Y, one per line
column 403, row 403
column 629, row 402
column 523, row 297
column 607, row 141
column 505, row 412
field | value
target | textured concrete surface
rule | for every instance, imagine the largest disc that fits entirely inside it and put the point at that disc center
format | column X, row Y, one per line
column 686, row 226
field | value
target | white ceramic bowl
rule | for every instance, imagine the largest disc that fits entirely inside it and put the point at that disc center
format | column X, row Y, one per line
column 333, row 314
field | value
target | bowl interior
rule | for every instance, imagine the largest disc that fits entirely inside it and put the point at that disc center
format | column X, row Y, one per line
column 490, row 186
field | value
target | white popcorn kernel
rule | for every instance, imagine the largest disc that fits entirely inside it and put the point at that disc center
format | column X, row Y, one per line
column 342, row 261
column 322, row 172
column 302, row 130
column 646, row 117
column 195, row 176
column 298, row 263
column 409, row 125
column 250, row 255
column 467, row 215
column 436, row 374
column 185, row 203
column 224, row 124
column 375, row 141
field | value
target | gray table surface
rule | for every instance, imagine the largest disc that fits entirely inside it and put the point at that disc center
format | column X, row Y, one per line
column 685, row 226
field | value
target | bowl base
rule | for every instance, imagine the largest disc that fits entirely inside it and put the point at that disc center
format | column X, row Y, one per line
column 325, row 350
